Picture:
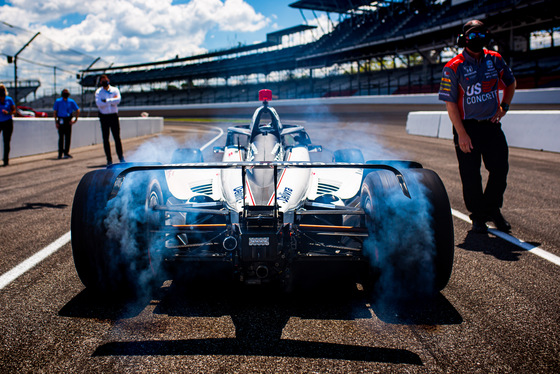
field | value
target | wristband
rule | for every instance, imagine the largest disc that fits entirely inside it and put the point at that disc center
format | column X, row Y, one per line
column 505, row 107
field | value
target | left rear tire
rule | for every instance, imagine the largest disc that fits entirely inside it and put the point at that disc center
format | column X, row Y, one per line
column 117, row 244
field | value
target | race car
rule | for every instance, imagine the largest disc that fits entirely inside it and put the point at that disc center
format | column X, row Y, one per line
column 25, row 111
column 265, row 214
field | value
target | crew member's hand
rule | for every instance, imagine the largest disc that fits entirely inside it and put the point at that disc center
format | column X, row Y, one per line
column 500, row 113
column 465, row 143
column 4, row 111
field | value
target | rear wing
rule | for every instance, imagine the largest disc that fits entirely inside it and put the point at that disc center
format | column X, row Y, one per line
column 391, row 166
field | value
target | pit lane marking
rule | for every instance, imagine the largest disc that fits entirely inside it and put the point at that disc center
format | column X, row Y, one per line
column 18, row 270
column 31, row 262
column 221, row 132
column 513, row 240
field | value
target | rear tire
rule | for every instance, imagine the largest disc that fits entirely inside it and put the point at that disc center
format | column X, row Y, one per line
column 186, row 156
column 410, row 242
column 115, row 242
column 351, row 155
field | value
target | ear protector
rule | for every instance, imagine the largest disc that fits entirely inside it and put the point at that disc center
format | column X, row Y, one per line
column 461, row 41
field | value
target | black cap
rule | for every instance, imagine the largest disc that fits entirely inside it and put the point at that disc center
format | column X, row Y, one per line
column 474, row 25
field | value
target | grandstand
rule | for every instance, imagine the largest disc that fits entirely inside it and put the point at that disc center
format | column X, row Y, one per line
column 376, row 47
column 25, row 87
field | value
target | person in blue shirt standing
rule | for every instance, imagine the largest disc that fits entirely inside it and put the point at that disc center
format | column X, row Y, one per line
column 66, row 113
column 7, row 110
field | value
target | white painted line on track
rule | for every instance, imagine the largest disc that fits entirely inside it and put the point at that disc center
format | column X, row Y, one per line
column 513, row 240
column 221, row 132
column 10, row 276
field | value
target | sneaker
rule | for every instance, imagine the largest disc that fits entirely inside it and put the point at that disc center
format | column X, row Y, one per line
column 479, row 226
column 68, row 155
column 109, row 163
column 121, row 160
column 60, row 157
column 500, row 221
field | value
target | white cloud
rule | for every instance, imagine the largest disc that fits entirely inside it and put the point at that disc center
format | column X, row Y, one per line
column 118, row 31
column 234, row 14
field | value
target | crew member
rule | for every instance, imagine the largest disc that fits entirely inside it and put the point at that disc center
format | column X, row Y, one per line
column 7, row 110
column 66, row 113
column 470, row 88
column 107, row 99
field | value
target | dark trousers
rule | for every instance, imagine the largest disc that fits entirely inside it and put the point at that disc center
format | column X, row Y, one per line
column 7, row 128
column 490, row 146
column 64, row 135
column 110, row 123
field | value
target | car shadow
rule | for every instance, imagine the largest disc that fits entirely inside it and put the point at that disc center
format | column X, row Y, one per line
column 260, row 316
column 34, row 206
column 493, row 246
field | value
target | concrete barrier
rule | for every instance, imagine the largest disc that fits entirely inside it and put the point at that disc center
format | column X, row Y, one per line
column 532, row 129
column 39, row 135
column 537, row 132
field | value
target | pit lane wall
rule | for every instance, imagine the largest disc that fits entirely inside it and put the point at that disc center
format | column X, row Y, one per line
column 533, row 121
column 39, row 135
column 531, row 129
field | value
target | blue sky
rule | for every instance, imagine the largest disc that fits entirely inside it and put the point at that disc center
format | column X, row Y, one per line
column 280, row 14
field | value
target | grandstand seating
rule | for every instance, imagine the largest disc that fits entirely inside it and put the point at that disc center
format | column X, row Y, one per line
column 399, row 29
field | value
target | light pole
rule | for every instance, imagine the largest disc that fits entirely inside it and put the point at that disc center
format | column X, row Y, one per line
column 15, row 67
column 82, row 77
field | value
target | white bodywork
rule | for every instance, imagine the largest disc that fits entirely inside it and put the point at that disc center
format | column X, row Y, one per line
column 265, row 142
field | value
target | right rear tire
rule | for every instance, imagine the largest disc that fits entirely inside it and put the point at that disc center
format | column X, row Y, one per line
column 411, row 240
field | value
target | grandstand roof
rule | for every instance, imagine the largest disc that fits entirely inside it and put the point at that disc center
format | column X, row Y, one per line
column 338, row 6
column 276, row 37
column 272, row 38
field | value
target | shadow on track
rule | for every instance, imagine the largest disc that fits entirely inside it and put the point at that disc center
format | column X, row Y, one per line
column 34, row 206
column 260, row 316
column 494, row 246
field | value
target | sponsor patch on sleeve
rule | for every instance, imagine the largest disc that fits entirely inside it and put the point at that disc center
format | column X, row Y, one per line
column 445, row 85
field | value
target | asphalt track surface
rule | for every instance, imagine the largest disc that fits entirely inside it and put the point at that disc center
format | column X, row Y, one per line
column 499, row 313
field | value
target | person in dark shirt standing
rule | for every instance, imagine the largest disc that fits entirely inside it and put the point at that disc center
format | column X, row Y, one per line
column 107, row 99
column 66, row 113
column 7, row 110
column 470, row 88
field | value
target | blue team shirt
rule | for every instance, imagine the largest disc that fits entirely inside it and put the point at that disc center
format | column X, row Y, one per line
column 65, row 108
column 474, row 85
column 8, row 104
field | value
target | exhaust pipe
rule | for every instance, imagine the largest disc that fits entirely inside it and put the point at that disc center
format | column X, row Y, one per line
column 229, row 243
column 262, row 271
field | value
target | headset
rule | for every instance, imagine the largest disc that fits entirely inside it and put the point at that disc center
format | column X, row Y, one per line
column 461, row 41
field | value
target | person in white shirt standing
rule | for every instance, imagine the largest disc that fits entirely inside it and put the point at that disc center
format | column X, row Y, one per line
column 107, row 99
